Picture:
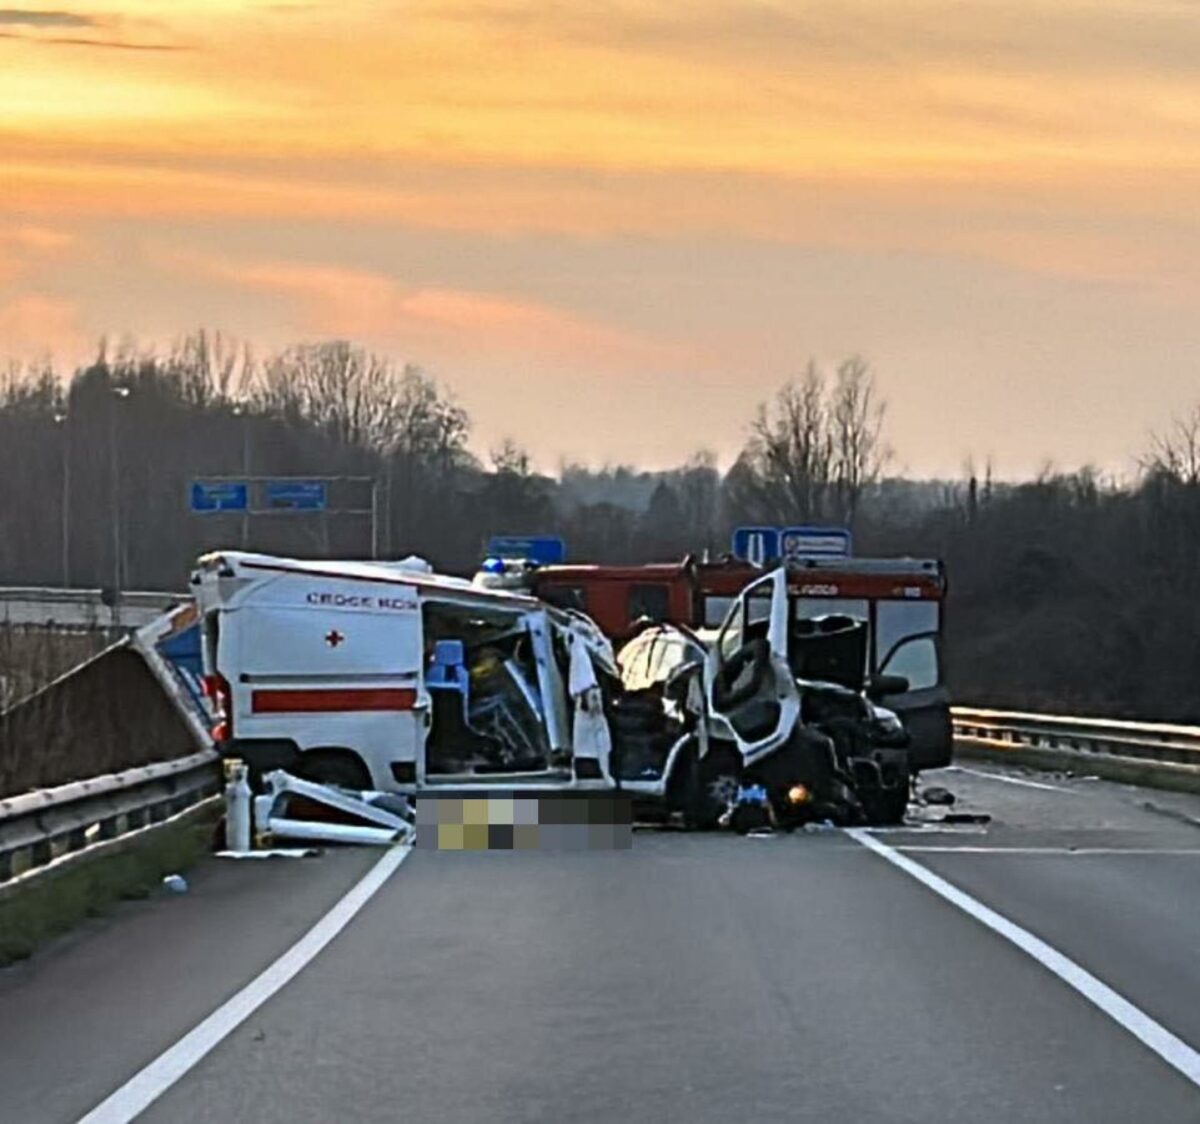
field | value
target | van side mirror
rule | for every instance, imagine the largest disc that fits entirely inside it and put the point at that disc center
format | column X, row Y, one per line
column 881, row 685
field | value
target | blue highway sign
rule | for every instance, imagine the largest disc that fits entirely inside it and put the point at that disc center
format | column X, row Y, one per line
column 756, row 545
column 805, row 542
column 207, row 496
column 296, row 495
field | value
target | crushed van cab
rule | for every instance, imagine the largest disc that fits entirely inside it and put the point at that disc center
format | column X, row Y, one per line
column 387, row 676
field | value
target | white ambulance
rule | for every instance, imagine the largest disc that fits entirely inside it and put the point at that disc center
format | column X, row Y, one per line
column 387, row 676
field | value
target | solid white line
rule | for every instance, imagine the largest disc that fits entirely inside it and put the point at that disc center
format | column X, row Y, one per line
column 1009, row 780
column 1174, row 1051
column 1049, row 850
column 146, row 1086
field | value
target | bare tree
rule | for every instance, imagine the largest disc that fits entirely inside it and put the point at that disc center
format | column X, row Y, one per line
column 1175, row 454
column 211, row 367
column 856, row 419
column 510, row 458
column 787, row 462
column 364, row 400
column 813, row 449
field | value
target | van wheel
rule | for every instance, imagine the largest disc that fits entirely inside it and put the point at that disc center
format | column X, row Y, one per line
column 338, row 768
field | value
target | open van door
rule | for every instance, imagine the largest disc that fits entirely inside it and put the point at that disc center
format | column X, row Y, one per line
column 748, row 683
column 925, row 706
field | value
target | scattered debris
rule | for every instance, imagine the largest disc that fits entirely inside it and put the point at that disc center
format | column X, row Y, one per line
column 272, row 853
column 176, row 883
column 382, row 818
column 750, row 813
column 936, row 794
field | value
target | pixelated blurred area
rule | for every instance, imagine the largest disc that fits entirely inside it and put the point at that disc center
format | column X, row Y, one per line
column 511, row 821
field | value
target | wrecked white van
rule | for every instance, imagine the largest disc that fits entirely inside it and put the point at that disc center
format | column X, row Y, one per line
column 386, row 676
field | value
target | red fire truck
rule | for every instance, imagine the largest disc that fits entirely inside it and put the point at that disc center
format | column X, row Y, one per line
column 901, row 599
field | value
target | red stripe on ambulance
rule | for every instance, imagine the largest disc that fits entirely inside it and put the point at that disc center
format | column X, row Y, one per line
column 310, row 701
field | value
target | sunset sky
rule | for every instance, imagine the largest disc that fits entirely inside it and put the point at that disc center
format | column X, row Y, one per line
column 613, row 227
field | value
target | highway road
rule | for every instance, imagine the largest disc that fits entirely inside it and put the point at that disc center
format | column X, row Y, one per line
column 802, row 977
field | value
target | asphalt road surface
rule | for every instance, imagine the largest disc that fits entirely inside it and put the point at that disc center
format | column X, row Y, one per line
column 799, row 977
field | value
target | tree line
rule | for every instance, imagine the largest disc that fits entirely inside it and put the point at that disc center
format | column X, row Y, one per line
column 1066, row 591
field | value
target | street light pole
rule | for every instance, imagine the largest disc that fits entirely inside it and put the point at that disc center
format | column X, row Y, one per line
column 60, row 419
column 240, row 411
column 387, row 493
column 120, row 393
column 375, row 519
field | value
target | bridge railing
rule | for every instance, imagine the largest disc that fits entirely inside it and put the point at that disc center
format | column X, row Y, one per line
column 1144, row 752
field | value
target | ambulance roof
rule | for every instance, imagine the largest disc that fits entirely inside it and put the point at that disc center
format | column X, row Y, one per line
column 247, row 565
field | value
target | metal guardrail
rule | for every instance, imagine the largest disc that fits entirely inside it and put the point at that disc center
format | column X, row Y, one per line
column 47, row 827
column 1169, row 748
column 81, row 608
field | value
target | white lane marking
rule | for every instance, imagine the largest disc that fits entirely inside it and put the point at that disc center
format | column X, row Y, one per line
column 1049, row 850
column 1009, row 780
column 1174, row 1051
column 932, row 829
column 146, row 1086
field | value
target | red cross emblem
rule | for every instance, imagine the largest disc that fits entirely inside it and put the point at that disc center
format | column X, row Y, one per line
column 333, row 638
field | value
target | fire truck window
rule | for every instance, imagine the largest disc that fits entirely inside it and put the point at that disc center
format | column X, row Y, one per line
column 917, row 661
column 566, row 597
column 808, row 608
column 758, row 606
column 715, row 610
column 651, row 601
column 894, row 620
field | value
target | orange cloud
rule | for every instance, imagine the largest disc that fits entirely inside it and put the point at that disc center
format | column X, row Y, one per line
column 332, row 300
